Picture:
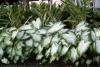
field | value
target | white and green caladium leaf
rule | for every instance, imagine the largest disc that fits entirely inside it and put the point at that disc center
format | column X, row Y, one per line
column 46, row 41
column 85, row 36
column 62, row 31
column 74, row 54
column 55, row 39
column 29, row 43
column 56, row 27
column 5, row 61
column 82, row 26
column 88, row 61
column 19, row 52
column 1, row 28
column 81, row 23
column 16, row 58
column 93, row 35
column 59, row 49
column 7, row 41
column 36, row 44
column 20, row 34
column 19, row 45
column 97, row 45
column 37, row 24
column 83, row 46
column 54, row 48
column 13, row 52
column 47, row 53
column 97, row 32
column 44, row 61
column 52, row 58
column 41, row 31
column 5, row 34
column 64, row 50
column 40, row 48
column 26, row 36
column 36, row 37
column 63, row 42
column 1, row 52
column 76, row 63
column 30, row 31
column 70, row 37
column 9, row 49
column 39, row 56
column 12, row 29
column 14, row 34
column 2, row 45
column 36, row 51
column 1, row 38
column 27, row 52
column 26, row 27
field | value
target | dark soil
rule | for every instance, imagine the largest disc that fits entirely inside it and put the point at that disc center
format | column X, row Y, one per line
column 32, row 63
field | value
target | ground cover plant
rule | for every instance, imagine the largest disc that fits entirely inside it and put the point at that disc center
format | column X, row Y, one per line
column 69, row 32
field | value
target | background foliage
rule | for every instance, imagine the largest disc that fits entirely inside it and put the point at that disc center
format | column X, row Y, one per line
column 69, row 12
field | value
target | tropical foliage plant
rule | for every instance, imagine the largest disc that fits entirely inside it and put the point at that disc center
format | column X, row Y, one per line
column 50, row 43
column 68, row 33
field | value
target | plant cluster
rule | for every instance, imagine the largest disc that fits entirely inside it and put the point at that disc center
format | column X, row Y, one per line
column 68, row 12
column 13, row 15
column 76, row 39
column 50, row 43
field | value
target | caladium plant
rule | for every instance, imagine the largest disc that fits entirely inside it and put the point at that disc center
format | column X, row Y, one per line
column 49, row 43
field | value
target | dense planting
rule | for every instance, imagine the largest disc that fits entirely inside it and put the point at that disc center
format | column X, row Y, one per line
column 50, row 43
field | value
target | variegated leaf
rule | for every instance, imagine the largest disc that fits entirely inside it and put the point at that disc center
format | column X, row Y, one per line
column 14, row 34
column 56, row 27
column 36, row 37
column 74, row 54
column 1, row 52
column 64, row 50
column 54, row 48
column 97, row 46
column 47, row 53
column 70, row 38
column 85, row 36
column 55, row 39
column 29, row 43
column 26, row 27
column 83, row 46
column 5, row 61
column 46, row 41
column 41, row 31
column 37, row 23
column 20, row 34
column 39, row 56
column 64, row 43
column 93, row 35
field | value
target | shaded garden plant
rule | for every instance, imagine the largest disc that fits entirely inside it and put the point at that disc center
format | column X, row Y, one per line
column 50, row 43
column 47, row 37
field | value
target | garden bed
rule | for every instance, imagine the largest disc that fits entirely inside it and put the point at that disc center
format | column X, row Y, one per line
column 68, row 33
column 56, row 64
